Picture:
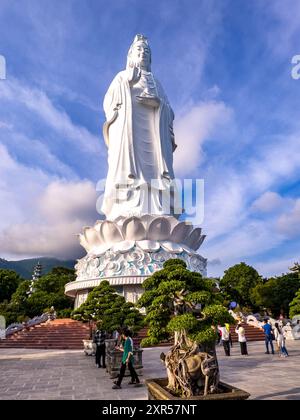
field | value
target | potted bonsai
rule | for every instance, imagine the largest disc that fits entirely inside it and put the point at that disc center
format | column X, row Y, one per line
column 105, row 307
column 185, row 306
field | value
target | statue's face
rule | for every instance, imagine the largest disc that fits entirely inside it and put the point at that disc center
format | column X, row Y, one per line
column 141, row 54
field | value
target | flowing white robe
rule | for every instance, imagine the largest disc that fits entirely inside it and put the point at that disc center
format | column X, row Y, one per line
column 140, row 149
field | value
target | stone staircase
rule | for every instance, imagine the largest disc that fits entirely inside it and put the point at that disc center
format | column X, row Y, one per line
column 252, row 334
column 57, row 334
column 68, row 334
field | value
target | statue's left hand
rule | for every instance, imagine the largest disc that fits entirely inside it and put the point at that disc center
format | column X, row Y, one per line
column 152, row 101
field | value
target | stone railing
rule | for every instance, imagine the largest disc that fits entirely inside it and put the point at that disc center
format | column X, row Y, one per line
column 254, row 321
column 16, row 327
column 290, row 328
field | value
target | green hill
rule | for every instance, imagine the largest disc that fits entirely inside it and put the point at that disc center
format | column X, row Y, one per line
column 25, row 267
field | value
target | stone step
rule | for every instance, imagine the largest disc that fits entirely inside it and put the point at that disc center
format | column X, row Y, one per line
column 57, row 334
column 252, row 334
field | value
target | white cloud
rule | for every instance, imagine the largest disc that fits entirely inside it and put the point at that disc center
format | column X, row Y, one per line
column 34, row 152
column 56, row 240
column 278, row 162
column 40, row 214
column 195, row 127
column 19, row 188
column 65, row 201
column 289, row 223
column 268, row 202
column 37, row 101
column 282, row 36
column 234, row 233
column 277, row 266
column 5, row 125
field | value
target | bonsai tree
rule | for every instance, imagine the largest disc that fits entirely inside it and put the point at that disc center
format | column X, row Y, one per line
column 109, row 309
column 184, row 305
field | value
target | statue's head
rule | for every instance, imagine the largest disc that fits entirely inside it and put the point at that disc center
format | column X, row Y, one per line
column 139, row 54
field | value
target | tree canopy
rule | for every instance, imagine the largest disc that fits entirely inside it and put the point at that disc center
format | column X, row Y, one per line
column 295, row 305
column 9, row 281
column 177, row 299
column 276, row 293
column 49, row 291
column 237, row 284
column 105, row 306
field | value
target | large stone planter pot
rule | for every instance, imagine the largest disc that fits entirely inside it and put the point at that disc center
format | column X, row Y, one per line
column 110, row 344
column 114, row 360
column 157, row 391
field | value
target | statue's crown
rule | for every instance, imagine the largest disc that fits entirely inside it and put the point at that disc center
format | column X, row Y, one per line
column 140, row 37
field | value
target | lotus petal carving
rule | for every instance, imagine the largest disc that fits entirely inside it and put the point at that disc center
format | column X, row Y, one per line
column 98, row 250
column 159, row 229
column 146, row 220
column 149, row 245
column 171, row 247
column 133, row 229
column 110, row 232
column 180, row 232
column 92, row 236
column 148, row 233
column 123, row 246
column 84, row 243
column 194, row 238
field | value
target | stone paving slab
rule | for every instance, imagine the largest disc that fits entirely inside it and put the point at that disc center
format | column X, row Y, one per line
column 70, row 375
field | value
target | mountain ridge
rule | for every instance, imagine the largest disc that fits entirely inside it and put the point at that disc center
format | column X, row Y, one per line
column 25, row 267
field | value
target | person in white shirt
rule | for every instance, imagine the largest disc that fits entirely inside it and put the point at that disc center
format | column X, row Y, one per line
column 240, row 331
column 225, row 339
column 280, row 339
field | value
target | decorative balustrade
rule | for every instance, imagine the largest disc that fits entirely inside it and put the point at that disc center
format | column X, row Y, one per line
column 17, row 327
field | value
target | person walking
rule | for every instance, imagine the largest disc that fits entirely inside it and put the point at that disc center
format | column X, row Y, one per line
column 219, row 335
column 240, row 331
column 225, row 339
column 267, row 328
column 127, row 361
column 230, row 337
column 280, row 339
column 99, row 340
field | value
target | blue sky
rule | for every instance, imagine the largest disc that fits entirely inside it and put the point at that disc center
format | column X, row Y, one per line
column 226, row 68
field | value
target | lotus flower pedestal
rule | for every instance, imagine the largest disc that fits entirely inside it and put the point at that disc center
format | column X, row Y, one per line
column 128, row 250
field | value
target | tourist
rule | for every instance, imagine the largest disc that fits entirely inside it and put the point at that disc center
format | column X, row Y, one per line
column 225, row 339
column 230, row 337
column 52, row 313
column 240, row 331
column 280, row 339
column 219, row 335
column 267, row 328
column 117, row 337
column 127, row 361
column 99, row 340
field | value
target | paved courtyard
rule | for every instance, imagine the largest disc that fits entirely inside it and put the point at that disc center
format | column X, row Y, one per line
column 55, row 374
